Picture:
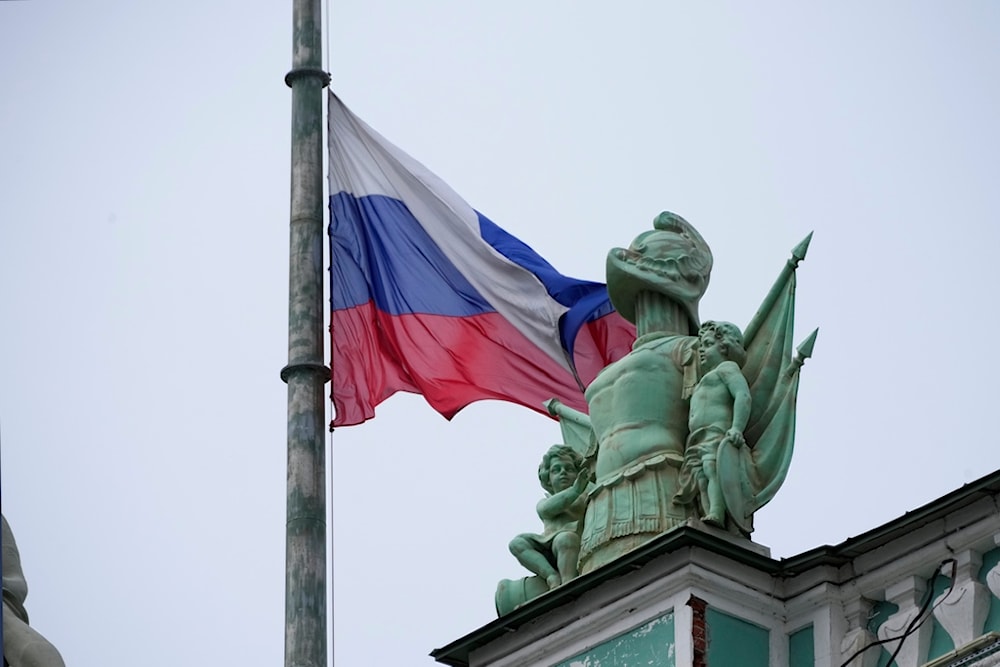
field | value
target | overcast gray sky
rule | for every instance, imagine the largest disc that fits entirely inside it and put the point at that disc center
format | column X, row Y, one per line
column 144, row 155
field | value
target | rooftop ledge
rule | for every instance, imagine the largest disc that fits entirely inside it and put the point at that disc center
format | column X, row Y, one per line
column 741, row 551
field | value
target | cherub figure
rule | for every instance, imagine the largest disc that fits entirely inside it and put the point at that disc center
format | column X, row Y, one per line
column 718, row 415
column 553, row 554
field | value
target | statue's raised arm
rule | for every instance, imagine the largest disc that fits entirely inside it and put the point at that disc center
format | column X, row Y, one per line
column 577, row 431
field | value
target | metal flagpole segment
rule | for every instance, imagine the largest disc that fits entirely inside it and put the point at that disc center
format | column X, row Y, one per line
column 305, row 374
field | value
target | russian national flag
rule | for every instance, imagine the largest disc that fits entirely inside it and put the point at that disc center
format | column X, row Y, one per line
column 429, row 296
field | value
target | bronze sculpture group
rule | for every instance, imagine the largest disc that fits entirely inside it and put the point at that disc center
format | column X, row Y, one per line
column 695, row 426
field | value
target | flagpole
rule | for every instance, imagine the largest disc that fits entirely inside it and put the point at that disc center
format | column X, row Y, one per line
column 305, row 374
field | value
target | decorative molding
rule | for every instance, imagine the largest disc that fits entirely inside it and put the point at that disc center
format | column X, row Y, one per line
column 858, row 636
column 983, row 652
column 907, row 595
column 962, row 611
column 993, row 576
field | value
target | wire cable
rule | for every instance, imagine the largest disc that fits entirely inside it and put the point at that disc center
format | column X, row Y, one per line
column 918, row 620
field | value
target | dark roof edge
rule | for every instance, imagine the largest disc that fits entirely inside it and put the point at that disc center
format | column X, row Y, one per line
column 457, row 652
column 852, row 547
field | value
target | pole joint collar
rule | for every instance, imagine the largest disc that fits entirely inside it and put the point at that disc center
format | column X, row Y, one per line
column 307, row 367
column 303, row 72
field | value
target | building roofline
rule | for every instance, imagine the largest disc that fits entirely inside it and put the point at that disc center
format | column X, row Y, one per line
column 457, row 652
column 852, row 547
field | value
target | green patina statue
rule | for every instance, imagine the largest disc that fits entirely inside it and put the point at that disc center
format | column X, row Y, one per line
column 638, row 405
column 657, row 412
column 719, row 411
column 553, row 554
column 696, row 424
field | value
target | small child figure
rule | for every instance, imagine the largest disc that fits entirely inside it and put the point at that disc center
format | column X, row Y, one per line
column 553, row 554
column 719, row 411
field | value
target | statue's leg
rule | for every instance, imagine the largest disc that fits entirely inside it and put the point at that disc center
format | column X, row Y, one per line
column 716, row 503
column 528, row 556
column 703, row 498
column 566, row 547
